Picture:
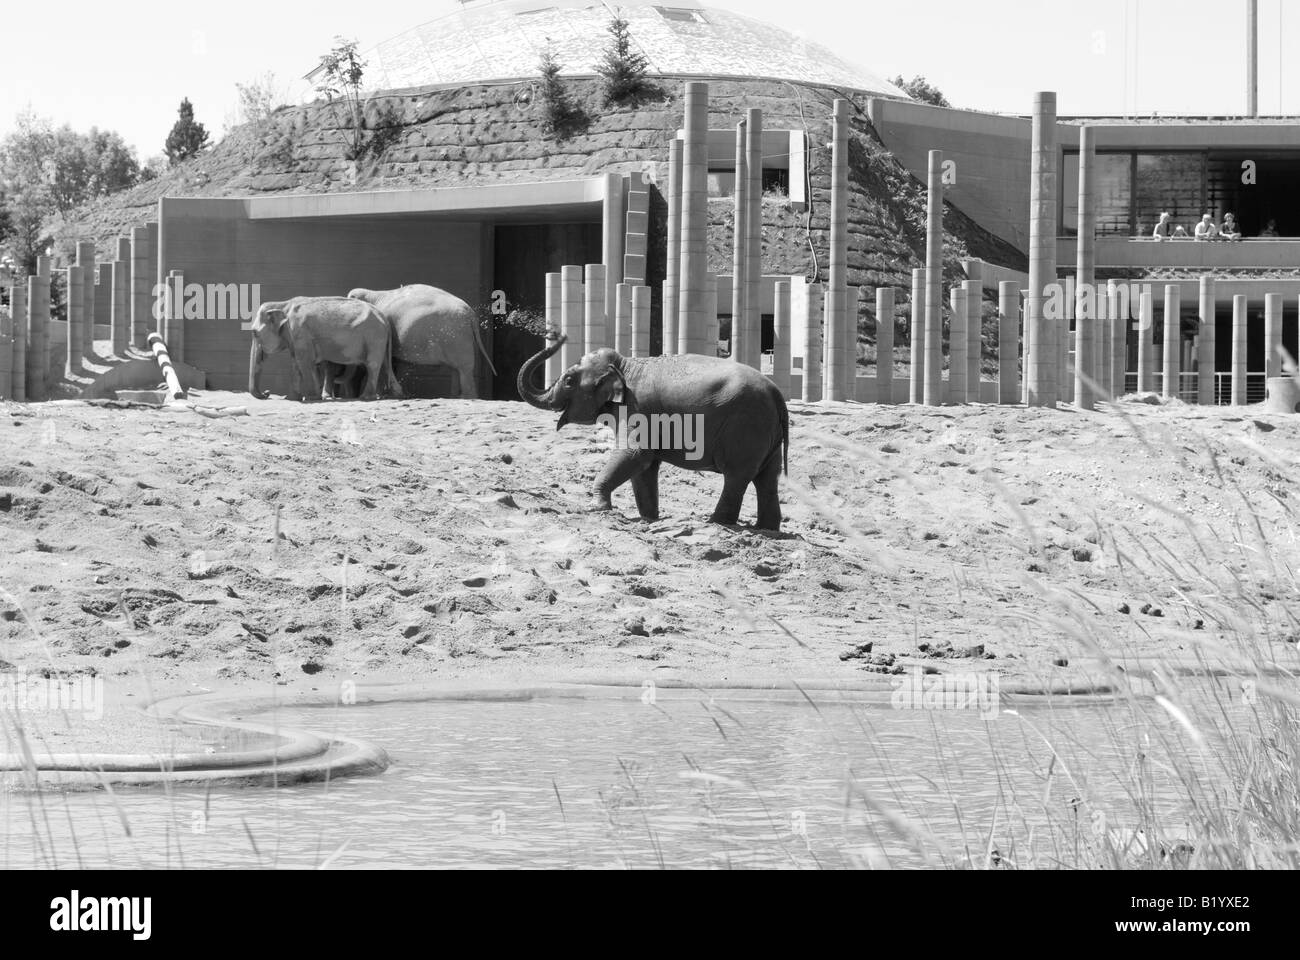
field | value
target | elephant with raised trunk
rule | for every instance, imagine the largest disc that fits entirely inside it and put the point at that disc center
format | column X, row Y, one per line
column 738, row 418
column 431, row 326
column 317, row 332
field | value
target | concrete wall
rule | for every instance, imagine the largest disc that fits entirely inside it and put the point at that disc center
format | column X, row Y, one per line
column 213, row 241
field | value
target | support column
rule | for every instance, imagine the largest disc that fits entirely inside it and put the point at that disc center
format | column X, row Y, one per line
column 1239, row 340
column 812, row 344
column 673, row 283
column 640, row 321
column 833, row 372
column 86, row 260
column 695, row 220
column 623, row 319
column 120, row 320
column 849, row 351
column 142, row 281
column 554, row 324
column 916, row 392
column 38, row 332
column 1085, row 309
column 594, row 330
column 1009, row 343
column 1119, row 311
column 712, row 327
column 1101, row 344
column 614, row 220
column 1146, row 342
column 157, row 277
column 1173, row 341
column 974, row 290
column 7, row 325
column 958, row 345
column 76, row 311
column 933, row 394
column 885, row 345
column 1044, row 343
column 740, row 252
column 754, row 241
column 1205, row 347
column 781, row 327
column 18, row 352
column 1272, row 335
column 573, row 308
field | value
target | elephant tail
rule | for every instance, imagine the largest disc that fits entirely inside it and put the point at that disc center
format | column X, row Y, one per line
column 478, row 339
column 394, row 387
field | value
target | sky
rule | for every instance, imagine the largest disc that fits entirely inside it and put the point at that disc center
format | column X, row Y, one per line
column 125, row 66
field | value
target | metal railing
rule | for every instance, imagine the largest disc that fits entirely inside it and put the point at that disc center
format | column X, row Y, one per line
column 1189, row 386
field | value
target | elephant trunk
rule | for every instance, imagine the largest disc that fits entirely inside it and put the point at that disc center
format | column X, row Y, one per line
column 542, row 400
column 255, row 357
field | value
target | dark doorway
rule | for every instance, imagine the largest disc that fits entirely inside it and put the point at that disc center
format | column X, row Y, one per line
column 522, row 257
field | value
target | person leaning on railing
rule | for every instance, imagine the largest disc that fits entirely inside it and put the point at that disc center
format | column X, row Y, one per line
column 1164, row 229
column 1229, row 230
column 1206, row 230
column 1270, row 231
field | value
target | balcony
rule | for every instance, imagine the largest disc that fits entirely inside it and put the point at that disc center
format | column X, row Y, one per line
column 1208, row 255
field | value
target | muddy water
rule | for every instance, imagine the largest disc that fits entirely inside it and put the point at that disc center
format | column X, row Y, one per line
column 626, row 784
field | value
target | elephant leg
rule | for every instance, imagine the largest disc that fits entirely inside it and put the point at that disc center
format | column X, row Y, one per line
column 468, row 382
column 645, row 487
column 373, row 370
column 766, row 486
column 727, row 512
column 622, row 466
column 308, row 389
column 329, row 375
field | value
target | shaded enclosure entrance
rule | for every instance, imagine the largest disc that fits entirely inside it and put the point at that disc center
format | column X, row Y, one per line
column 523, row 254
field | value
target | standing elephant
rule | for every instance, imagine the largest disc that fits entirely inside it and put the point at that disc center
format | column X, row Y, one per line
column 430, row 326
column 321, row 331
column 718, row 416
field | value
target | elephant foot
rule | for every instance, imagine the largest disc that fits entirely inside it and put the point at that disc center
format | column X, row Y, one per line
column 293, row 397
column 650, row 517
column 599, row 504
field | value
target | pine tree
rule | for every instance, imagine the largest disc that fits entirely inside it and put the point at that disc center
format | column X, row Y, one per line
column 187, row 138
column 557, row 106
column 623, row 68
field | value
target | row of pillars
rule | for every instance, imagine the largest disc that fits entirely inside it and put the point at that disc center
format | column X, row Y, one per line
column 118, row 293
column 575, row 306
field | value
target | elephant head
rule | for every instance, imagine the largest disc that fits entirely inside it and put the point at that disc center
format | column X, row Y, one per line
column 584, row 391
column 268, row 337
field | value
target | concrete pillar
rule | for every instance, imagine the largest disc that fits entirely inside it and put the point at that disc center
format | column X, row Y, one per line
column 1272, row 335
column 1205, row 347
column 1064, row 344
column 175, row 316
column 849, row 367
column 673, row 283
column 595, row 331
column 572, row 307
column 754, row 241
column 933, row 387
column 554, row 323
column 1044, row 342
column 157, row 277
column 614, row 237
column 885, row 345
column 958, row 346
column 7, row 325
column 812, row 344
column 1085, row 310
column 623, row 319
column 695, row 220
column 1009, row 343
column 120, row 320
column 641, row 321
column 1173, row 341
column 1118, row 312
column 38, row 332
column 18, row 352
column 974, row 290
column 1239, row 340
column 86, row 260
column 833, row 374
column 76, row 311
column 1146, row 342
column 1101, row 346
column 740, row 252
column 142, row 281
column 1252, row 58
column 781, row 326
column 712, row 326
column 916, row 392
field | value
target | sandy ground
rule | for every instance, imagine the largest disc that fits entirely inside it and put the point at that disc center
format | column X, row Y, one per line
column 424, row 540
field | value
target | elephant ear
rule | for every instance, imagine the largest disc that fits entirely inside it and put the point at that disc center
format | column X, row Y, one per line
column 611, row 388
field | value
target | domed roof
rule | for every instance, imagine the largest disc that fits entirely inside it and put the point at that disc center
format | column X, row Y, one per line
column 504, row 40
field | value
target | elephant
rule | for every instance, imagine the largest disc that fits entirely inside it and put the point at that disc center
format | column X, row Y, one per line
column 431, row 326
column 742, row 425
column 321, row 331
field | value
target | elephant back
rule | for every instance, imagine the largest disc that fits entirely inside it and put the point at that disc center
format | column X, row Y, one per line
column 426, row 322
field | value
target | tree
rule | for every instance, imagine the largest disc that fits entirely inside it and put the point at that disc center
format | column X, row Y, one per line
column 623, row 68
column 26, row 169
column 560, row 113
column 188, row 137
column 259, row 98
column 918, row 88
column 113, row 164
column 342, row 72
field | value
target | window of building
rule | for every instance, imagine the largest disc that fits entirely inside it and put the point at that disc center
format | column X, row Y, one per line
column 682, row 14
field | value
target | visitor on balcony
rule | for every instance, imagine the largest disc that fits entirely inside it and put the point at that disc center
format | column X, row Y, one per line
column 1270, row 231
column 1180, row 233
column 1230, row 230
column 1206, row 230
column 1164, row 229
